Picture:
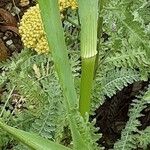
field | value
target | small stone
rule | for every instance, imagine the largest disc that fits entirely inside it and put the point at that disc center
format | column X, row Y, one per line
column 4, row 37
column 16, row 10
column 9, row 42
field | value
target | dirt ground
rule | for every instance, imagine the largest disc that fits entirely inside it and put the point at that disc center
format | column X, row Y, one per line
column 10, row 13
column 113, row 114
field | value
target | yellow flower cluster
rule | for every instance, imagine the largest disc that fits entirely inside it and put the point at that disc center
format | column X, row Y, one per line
column 67, row 3
column 31, row 27
column 32, row 32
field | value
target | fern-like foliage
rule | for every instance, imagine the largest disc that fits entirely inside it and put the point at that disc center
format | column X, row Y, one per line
column 21, row 147
column 21, row 66
column 88, row 132
column 127, row 141
column 43, row 125
column 123, row 60
column 51, row 122
column 35, row 79
column 111, row 82
column 3, row 78
column 134, row 27
column 71, row 28
column 142, row 139
column 144, row 14
column 31, row 90
column 128, row 45
column 128, row 58
column 75, row 64
column 115, row 80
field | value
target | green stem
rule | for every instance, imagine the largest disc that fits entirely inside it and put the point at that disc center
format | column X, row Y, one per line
column 88, row 12
column 86, row 84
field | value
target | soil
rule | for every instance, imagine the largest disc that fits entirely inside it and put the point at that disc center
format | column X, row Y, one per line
column 10, row 13
column 112, row 115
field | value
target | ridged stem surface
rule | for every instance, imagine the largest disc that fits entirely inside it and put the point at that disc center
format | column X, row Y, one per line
column 88, row 12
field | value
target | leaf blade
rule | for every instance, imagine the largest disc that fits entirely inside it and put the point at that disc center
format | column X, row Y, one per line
column 32, row 140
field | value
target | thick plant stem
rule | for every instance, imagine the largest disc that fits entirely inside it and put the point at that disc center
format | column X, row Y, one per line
column 88, row 12
column 86, row 84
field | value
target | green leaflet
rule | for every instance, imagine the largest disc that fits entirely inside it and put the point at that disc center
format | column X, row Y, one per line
column 135, row 28
column 34, row 141
column 131, row 58
column 142, row 139
column 147, row 96
column 127, row 141
column 116, row 79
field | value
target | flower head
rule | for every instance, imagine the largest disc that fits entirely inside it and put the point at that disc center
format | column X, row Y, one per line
column 32, row 32
column 31, row 27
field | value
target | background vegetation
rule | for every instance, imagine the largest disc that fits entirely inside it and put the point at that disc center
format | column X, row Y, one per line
column 32, row 97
